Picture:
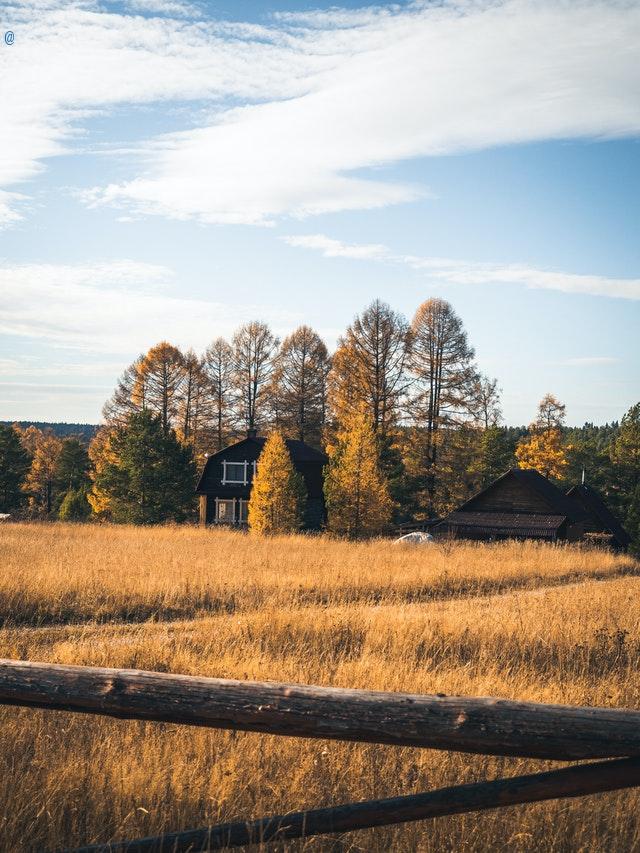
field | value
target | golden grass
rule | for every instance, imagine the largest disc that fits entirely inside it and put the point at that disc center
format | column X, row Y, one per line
column 523, row 621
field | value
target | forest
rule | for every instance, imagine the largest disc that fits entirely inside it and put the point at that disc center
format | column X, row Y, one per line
column 402, row 410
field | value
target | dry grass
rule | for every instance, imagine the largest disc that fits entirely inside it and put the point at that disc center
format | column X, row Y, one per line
column 523, row 621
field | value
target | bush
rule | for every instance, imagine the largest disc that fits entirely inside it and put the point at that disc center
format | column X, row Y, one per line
column 75, row 506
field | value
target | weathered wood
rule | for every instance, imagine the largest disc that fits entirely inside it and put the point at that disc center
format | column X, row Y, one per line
column 575, row 781
column 488, row 726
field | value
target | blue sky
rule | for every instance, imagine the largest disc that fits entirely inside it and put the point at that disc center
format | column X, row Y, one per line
column 171, row 169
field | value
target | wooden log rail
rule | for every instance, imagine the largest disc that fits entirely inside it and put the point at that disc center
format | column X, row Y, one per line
column 480, row 725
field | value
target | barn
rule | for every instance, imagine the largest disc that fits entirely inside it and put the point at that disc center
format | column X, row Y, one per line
column 225, row 484
column 601, row 526
column 521, row 504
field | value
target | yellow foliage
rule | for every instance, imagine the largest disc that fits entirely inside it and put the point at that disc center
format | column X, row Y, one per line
column 543, row 451
column 358, row 501
column 277, row 495
column 101, row 453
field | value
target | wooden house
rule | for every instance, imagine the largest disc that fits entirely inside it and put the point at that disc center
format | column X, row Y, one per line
column 601, row 527
column 521, row 504
column 225, row 484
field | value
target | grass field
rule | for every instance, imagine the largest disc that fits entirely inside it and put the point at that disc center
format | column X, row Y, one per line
column 520, row 621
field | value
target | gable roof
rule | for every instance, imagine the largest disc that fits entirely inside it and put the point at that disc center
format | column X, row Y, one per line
column 596, row 507
column 556, row 500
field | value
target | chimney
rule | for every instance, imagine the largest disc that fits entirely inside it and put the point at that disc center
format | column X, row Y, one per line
column 252, row 433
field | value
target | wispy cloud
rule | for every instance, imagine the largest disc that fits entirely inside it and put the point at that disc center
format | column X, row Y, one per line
column 591, row 361
column 448, row 271
column 120, row 307
column 318, row 100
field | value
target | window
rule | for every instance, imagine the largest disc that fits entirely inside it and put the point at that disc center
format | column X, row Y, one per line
column 243, row 512
column 234, row 473
column 225, row 510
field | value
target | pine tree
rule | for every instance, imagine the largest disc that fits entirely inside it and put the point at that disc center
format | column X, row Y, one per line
column 276, row 504
column 358, row 501
column 14, row 464
column 496, row 454
column 149, row 477
column 74, row 506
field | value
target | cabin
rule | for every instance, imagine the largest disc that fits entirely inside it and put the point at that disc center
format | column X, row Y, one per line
column 601, row 526
column 521, row 504
column 225, row 484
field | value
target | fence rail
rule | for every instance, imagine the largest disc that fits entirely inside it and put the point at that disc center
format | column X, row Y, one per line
column 479, row 725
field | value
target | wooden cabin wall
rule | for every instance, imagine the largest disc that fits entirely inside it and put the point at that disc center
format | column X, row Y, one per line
column 509, row 495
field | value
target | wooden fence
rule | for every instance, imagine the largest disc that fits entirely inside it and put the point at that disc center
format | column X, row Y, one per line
column 476, row 725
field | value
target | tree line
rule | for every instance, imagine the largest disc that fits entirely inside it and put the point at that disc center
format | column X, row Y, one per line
column 406, row 394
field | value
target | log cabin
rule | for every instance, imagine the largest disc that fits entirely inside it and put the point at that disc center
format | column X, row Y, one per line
column 225, row 484
column 521, row 504
column 601, row 527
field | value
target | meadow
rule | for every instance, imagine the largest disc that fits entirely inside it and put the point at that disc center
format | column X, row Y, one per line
column 525, row 621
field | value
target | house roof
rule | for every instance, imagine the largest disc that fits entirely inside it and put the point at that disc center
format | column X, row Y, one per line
column 300, row 453
column 591, row 501
column 506, row 523
column 556, row 500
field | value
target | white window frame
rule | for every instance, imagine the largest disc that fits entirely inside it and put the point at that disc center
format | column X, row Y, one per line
column 226, row 501
column 226, row 481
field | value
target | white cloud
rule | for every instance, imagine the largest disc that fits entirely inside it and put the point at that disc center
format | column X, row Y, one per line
column 319, row 99
column 120, row 307
column 164, row 7
column 591, row 361
column 448, row 271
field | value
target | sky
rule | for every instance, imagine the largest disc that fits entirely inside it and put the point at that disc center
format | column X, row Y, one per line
column 170, row 169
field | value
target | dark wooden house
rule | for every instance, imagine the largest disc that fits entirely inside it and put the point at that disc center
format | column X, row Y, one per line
column 521, row 504
column 225, row 484
column 601, row 527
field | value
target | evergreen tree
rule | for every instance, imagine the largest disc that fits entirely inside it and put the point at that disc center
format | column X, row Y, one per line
column 149, row 476
column 74, row 506
column 72, row 466
column 358, row 501
column 497, row 454
column 276, row 504
column 14, row 464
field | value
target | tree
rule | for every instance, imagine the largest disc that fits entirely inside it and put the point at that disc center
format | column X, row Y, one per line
column 543, row 451
column 370, row 366
column 625, row 451
column 40, row 482
column 486, row 394
column 254, row 352
column 160, row 379
column 551, row 413
column 358, row 501
column 194, row 415
column 72, row 466
column 101, row 455
column 218, row 364
column 149, row 477
column 14, row 464
column 496, row 454
column 276, row 503
column 129, row 395
column 74, row 506
column 300, row 385
column 441, row 362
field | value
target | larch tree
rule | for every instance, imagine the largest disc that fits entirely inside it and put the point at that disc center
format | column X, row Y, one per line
column 128, row 397
column 101, row 454
column 254, row 353
column 161, row 376
column 14, row 464
column 543, row 449
column 40, row 482
column 300, row 385
column 194, row 415
column 370, row 366
column 276, row 503
column 441, row 364
column 486, row 401
column 218, row 364
column 358, row 502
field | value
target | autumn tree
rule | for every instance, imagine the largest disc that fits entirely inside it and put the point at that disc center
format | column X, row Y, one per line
column 369, row 367
column 300, row 385
column 14, row 464
column 149, row 475
column 357, row 497
column 276, row 503
column 219, row 367
column 40, row 481
column 486, row 401
column 101, row 454
column 129, row 395
column 195, row 407
column 441, row 363
column 543, row 449
column 161, row 378
column 254, row 352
